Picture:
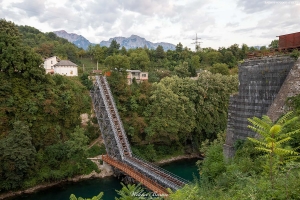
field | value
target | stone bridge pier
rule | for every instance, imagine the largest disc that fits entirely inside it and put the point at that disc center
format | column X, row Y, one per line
column 264, row 85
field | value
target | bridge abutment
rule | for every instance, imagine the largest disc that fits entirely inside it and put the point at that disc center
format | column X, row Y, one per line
column 264, row 85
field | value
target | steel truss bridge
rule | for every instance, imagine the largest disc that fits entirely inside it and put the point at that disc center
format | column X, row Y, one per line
column 119, row 153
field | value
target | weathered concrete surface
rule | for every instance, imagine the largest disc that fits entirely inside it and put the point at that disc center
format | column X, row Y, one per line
column 260, row 81
column 290, row 88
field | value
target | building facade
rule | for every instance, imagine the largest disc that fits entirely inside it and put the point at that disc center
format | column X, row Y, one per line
column 137, row 75
column 49, row 64
column 66, row 68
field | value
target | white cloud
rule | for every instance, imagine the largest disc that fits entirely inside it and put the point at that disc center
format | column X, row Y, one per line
column 217, row 22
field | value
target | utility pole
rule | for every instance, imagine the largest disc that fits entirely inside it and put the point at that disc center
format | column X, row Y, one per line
column 197, row 43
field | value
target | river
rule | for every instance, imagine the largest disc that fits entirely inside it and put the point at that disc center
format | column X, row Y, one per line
column 89, row 188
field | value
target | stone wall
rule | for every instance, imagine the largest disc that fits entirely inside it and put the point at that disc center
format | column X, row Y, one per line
column 260, row 81
column 290, row 88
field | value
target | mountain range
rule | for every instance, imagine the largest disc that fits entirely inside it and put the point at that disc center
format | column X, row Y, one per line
column 131, row 42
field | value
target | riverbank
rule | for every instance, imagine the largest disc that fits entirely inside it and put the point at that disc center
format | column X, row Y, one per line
column 176, row 158
column 105, row 170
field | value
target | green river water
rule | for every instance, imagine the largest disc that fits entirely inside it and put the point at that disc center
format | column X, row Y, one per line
column 89, row 188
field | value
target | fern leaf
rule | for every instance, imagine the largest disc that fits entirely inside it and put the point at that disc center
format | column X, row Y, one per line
column 284, row 118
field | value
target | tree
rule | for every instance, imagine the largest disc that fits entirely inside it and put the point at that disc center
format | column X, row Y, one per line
column 274, row 44
column 220, row 68
column 179, row 47
column 182, row 70
column 273, row 136
column 235, row 50
column 77, row 142
column 123, row 51
column 244, row 51
column 195, row 62
column 15, row 57
column 17, row 156
column 113, row 48
column 213, row 57
column 159, row 52
column 171, row 107
column 139, row 60
column 98, row 53
column 229, row 59
column 118, row 62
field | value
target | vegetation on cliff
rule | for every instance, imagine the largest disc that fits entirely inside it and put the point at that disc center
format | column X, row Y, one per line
column 40, row 134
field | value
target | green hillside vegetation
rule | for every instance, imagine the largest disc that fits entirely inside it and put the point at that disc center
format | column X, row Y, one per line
column 40, row 134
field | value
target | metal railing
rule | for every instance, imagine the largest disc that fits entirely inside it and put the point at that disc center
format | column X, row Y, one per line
column 118, row 116
column 110, row 118
column 151, row 173
column 153, row 166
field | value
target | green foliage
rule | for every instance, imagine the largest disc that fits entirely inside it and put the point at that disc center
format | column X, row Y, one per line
column 213, row 165
column 139, row 60
column 211, row 103
column 98, row 197
column 160, row 53
column 17, row 156
column 182, row 70
column 96, row 150
column 16, row 58
column 169, row 109
column 86, row 81
column 273, row 138
column 38, row 114
column 188, row 192
column 274, row 44
column 117, row 62
column 113, row 48
column 48, row 44
column 240, row 177
column 220, row 68
column 295, row 54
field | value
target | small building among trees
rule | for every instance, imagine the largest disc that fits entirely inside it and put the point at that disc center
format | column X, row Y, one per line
column 49, row 64
column 54, row 65
column 66, row 67
column 137, row 75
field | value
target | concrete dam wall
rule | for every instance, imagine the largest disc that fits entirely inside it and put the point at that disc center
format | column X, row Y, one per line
column 264, row 83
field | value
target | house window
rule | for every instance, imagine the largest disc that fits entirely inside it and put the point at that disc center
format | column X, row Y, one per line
column 133, row 73
column 71, row 72
column 51, row 62
column 144, row 75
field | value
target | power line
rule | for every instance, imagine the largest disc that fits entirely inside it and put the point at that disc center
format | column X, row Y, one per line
column 197, row 43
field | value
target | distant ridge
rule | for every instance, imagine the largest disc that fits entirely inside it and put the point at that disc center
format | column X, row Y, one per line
column 132, row 42
column 135, row 41
column 78, row 40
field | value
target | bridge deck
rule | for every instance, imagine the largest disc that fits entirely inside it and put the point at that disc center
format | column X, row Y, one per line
column 158, row 189
column 118, row 148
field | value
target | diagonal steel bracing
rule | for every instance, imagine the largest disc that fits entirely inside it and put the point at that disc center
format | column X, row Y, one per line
column 116, row 143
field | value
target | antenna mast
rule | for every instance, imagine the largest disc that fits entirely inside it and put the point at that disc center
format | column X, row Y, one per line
column 197, row 43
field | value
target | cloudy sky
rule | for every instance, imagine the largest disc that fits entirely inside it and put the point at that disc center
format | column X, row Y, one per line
column 217, row 22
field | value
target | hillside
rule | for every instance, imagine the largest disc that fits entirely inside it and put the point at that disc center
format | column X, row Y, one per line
column 48, row 44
